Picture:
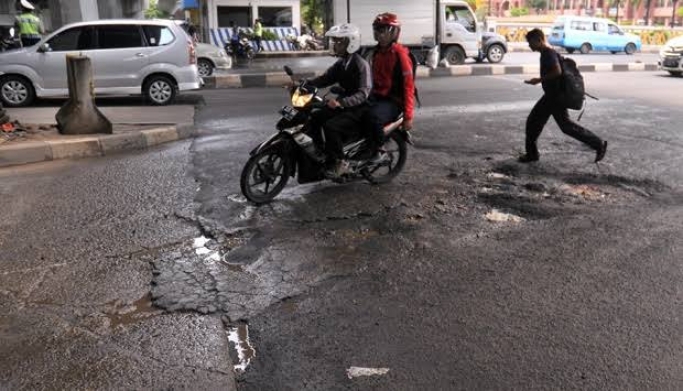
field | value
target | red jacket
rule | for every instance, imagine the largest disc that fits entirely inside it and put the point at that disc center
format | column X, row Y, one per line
column 388, row 82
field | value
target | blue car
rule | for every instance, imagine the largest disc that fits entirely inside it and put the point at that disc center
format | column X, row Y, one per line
column 587, row 34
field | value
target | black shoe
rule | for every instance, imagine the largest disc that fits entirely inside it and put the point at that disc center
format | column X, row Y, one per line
column 600, row 153
column 526, row 158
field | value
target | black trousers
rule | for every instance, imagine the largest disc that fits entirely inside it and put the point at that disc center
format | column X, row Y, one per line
column 29, row 41
column 546, row 107
column 339, row 125
column 378, row 113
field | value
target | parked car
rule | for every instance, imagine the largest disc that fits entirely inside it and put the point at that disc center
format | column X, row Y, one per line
column 671, row 56
column 154, row 58
column 586, row 34
column 209, row 57
column 493, row 47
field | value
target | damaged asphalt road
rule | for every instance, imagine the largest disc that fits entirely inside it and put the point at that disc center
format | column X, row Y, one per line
column 469, row 271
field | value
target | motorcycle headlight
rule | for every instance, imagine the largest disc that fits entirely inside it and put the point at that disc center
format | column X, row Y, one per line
column 301, row 98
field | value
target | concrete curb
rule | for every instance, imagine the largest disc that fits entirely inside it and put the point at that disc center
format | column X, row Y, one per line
column 278, row 79
column 88, row 146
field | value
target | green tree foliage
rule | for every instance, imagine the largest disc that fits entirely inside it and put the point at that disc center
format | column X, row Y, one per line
column 153, row 11
column 313, row 13
column 520, row 11
column 679, row 12
column 537, row 4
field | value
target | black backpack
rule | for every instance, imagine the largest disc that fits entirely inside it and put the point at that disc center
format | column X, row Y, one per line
column 572, row 92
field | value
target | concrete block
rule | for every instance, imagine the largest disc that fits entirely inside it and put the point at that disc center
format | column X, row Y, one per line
column 254, row 80
column 186, row 131
column 484, row 70
column 531, row 69
column 603, row 67
column 497, row 69
column 160, row 135
column 277, row 79
column 75, row 148
column 636, row 66
column 461, row 70
column 23, row 153
column 121, row 142
column 228, row 81
column 422, row 72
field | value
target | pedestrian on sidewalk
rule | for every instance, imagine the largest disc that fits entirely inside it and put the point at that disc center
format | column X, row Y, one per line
column 549, row 104
column 258, row 34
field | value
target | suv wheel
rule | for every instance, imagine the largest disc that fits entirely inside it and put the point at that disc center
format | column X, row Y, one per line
column 16, row 91
column 159, row 90
column 495, row 53
column 205, row 67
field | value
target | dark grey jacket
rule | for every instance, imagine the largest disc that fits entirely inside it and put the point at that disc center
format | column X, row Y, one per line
column 352, row 73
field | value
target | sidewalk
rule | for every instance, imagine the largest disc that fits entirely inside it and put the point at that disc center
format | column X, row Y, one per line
column 134, row 128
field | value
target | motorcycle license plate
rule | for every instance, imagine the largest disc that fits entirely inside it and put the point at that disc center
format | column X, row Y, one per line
column 289, row 112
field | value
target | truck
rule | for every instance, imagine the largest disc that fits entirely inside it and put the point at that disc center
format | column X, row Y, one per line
column 449, row 24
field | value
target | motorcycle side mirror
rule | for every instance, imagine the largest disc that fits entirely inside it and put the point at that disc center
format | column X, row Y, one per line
column 288, row 70
column 337, row 90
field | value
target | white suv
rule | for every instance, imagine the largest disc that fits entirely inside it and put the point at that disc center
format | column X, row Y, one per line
column 154, row 58
column 671, row 56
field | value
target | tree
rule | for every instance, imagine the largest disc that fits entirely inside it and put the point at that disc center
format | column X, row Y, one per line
column 680, row 12
column 153, row 11
column 537, row 4
column 313, row 14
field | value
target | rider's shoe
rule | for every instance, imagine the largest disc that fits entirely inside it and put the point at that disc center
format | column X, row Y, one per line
column 339, row 169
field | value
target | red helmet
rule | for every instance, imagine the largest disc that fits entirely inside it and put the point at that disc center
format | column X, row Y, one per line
column 386, row 19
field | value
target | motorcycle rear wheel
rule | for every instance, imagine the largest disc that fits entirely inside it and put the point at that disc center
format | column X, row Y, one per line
column 265, row 175
column 397, row 152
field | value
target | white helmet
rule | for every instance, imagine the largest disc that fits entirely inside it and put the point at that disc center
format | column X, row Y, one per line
column 27, row 5
column 346, row 30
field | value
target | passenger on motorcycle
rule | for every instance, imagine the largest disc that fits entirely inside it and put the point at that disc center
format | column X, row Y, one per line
column 393, row 87
column 340, row 118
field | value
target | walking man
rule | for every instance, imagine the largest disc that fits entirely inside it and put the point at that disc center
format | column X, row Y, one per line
column 29, row 25
column 258, row 34
column 551, row 72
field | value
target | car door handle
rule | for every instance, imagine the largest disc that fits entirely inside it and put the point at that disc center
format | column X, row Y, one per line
column 449, row 35
column 140, row 55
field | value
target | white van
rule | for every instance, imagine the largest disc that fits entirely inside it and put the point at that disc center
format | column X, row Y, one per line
column 154, row 58
column 591, row 34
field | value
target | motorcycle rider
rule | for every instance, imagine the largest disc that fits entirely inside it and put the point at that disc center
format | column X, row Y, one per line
column 393, row 87
column 341, row 116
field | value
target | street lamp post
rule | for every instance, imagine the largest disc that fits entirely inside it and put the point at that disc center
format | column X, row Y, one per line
column 618, row 1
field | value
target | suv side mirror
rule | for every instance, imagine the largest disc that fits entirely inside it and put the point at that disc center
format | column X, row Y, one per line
column 44, row 48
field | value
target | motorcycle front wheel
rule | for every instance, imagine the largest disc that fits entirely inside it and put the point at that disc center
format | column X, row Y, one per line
column 396, row 152
column 265, row 175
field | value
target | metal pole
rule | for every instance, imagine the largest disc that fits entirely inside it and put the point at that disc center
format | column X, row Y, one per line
column 618, row 1
column 348, row 11
column 489, row 9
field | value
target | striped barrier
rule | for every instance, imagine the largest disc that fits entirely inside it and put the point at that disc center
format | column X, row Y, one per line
column 221, row 36
column 278, row 79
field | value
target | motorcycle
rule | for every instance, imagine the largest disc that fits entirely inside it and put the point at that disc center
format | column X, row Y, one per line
column 304, row 42
column 9, row 41
column 291, row 151
column 240, row 47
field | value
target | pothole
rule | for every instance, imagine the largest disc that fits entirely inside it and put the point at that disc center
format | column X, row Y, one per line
column 120, row 314
column 239, row 339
